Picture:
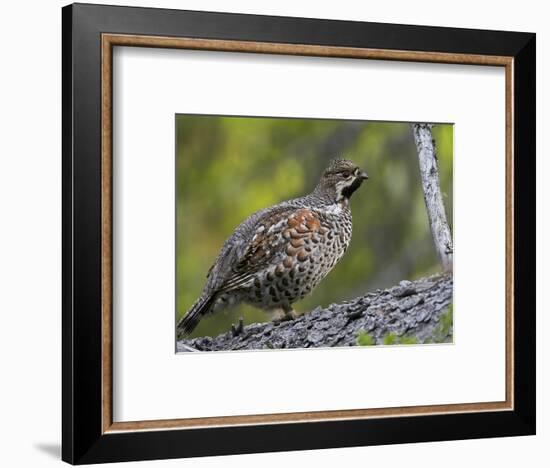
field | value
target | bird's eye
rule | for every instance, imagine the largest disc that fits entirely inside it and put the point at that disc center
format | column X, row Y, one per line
column 346, row 174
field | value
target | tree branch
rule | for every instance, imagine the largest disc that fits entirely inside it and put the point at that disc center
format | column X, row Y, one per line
column 411, row 312
column 432, row 194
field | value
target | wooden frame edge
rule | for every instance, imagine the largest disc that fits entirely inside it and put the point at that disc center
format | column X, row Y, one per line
column 108, row 41
column 301, row 49
column 301, row 417
column 509, row 236
column 106, row 235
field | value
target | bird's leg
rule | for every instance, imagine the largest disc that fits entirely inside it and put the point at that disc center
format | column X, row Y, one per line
column 290, row 313
column 284, row 313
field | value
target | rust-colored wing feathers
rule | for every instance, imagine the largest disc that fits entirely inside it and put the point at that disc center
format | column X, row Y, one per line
column 280, row 241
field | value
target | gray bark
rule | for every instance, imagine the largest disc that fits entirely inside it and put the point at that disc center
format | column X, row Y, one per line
column 429, row 172
column 410, row 312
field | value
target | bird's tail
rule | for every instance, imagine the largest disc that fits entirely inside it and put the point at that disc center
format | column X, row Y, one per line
column 191, row 319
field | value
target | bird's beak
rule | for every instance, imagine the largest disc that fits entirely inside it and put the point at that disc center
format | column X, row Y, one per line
column 363, row 175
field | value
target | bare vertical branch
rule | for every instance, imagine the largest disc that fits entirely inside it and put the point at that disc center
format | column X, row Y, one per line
column 429, row 172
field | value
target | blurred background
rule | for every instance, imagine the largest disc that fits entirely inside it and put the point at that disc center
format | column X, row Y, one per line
column 229, row 167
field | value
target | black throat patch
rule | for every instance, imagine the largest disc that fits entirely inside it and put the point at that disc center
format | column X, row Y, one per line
column 347, row 192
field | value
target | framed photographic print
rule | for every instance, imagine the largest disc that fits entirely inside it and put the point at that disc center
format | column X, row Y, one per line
column 289, row 233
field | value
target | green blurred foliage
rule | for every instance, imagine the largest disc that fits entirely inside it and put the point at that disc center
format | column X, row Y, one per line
column 365, row 339
column 408, row 340
column 444, row 331
column 229, row 167
column 390, row 339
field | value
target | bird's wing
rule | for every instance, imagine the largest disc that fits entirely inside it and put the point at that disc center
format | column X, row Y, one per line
column 276, row 235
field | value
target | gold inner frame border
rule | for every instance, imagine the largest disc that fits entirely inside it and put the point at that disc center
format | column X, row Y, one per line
column 108, row 41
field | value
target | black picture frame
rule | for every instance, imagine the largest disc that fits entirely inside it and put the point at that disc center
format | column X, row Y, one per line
column 84, row 440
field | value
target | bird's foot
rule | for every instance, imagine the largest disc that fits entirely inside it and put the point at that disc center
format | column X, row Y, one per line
column 284, row 315
column 236, row 330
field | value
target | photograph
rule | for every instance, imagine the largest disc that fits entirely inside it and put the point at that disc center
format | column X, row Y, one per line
column 312, row 233
column 274, row 234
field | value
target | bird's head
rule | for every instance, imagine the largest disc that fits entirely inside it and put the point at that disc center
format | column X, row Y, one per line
column 340, row 179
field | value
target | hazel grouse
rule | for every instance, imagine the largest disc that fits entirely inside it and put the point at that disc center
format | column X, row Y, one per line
column 280, row 254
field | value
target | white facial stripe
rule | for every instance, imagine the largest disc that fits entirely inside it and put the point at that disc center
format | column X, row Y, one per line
column 341, row 185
